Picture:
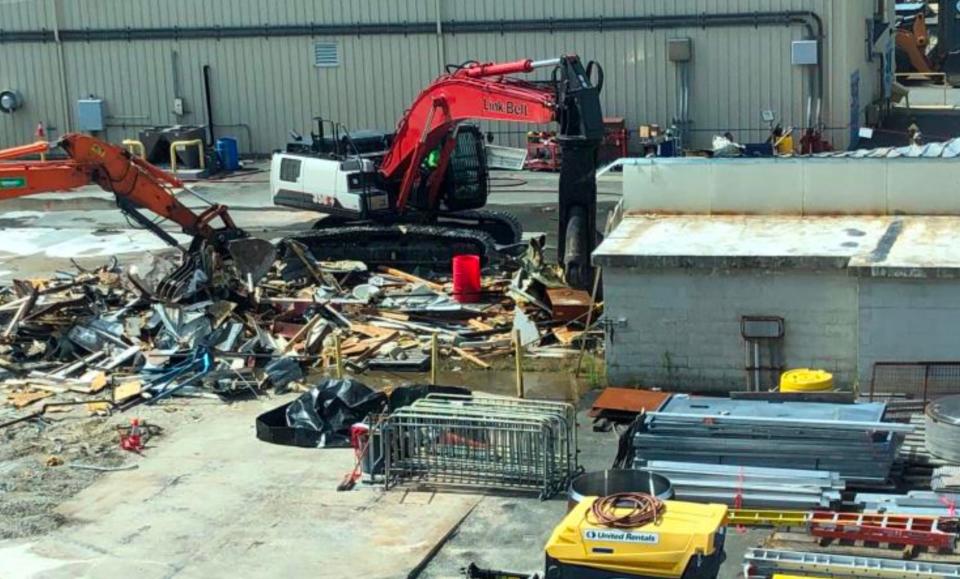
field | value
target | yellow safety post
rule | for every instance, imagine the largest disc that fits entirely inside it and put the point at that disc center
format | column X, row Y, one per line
column 338, row 357
column 135, row 147
column 434, row 358
column 518, row 355
column 198, row 143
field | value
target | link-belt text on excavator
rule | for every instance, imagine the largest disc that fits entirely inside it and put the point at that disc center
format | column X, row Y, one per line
column 508, row 107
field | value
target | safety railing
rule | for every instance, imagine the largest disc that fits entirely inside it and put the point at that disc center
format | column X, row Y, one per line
column 919, row 381
column 488, row 443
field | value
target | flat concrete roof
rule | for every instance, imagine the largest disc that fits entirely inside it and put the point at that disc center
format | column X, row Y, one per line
column 873, row 246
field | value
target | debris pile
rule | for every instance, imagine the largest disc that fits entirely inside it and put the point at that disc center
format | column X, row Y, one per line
column 104, row 338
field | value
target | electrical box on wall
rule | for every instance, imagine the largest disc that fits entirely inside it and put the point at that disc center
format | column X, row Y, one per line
column 680, row 49
column 804, row 53
column 10, row 101
column 90, row 115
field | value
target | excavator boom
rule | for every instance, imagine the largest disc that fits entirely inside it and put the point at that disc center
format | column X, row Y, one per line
column 137, row 185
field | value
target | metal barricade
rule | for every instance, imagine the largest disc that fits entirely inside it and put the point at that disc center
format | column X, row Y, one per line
column 488, row 443
column 919, row 381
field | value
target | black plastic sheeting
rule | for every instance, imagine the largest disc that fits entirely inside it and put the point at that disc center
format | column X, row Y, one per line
column 323, row 416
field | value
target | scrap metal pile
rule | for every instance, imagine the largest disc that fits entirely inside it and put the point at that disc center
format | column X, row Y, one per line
column 105, row 336
column 750, row 487
column 849, row 439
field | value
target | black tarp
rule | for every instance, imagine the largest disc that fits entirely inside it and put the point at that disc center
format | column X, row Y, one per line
column 323, row 416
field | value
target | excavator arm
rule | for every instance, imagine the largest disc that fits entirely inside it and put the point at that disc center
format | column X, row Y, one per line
column 136, row 184
column 486, row 92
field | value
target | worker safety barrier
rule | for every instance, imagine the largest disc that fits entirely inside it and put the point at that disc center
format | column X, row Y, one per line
column 487, row 442
column 921, row 381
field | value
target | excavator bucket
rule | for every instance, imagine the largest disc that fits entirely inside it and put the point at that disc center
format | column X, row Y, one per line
column 252, row 258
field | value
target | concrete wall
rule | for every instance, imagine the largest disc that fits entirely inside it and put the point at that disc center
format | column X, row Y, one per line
column 267, row 80
column 683, row 326
column 903, row 320
column 795, row 186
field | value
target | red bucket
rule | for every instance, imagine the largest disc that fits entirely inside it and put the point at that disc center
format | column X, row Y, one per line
column 466, row 278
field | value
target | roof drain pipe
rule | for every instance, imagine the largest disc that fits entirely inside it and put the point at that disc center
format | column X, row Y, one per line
column 208, row 104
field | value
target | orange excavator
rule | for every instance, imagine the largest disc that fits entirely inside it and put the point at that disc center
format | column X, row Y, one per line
column 138, row 185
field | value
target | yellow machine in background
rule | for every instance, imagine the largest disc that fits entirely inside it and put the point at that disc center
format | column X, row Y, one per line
column 684, row 541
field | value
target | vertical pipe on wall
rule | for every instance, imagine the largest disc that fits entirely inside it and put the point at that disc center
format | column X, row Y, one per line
column 441, row 52
column 61, row 64
column 208, row 103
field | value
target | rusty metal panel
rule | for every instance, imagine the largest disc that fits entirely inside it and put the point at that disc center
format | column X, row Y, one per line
column 628, row 401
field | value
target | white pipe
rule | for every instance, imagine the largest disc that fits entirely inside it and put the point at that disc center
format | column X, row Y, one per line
column 545, row 63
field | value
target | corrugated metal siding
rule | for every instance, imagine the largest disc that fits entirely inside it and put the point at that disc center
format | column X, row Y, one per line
column 272, row 85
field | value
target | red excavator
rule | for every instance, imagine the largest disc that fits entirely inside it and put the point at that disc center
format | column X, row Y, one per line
column 138, row 185
column 418, row 202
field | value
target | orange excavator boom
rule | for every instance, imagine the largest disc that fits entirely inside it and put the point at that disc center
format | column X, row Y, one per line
column 136, row 184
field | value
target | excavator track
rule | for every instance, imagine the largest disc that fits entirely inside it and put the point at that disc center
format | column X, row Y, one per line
column 401, row 246
column 503, row 226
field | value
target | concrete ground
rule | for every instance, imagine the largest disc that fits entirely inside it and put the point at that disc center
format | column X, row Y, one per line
column 40, row 234
column 209, row 500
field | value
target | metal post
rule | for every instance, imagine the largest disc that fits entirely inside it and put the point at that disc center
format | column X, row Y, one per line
column 434, row 358
column 518, row 355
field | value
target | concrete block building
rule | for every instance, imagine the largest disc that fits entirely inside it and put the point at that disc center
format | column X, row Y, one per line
column 722, row 273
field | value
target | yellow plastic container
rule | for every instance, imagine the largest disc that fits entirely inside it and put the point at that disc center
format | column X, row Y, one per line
column 806, row 380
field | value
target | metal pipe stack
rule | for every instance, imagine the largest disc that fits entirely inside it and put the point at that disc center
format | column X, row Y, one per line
column 849, row 439
column 913, row 503
column 750, row 487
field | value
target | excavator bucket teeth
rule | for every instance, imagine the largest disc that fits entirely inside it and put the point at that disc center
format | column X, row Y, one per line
column 252, row 258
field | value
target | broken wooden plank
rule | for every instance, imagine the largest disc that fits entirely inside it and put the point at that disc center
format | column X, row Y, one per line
column 480, row 326
column 409, row 277
column 566, row 336
column 21, row 399
column 127, row 390
column 301, row 334
column 471, row 358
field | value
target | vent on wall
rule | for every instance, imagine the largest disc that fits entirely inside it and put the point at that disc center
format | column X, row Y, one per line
column 326, row 54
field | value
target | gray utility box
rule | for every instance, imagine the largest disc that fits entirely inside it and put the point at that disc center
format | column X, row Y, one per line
column 679, row 49
column 804, row 52
column 90, row 115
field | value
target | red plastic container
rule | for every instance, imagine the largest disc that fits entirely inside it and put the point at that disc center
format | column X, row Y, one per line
column 466, row 278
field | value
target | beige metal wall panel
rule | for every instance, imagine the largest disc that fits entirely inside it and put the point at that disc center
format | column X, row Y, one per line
column 271, row 83
column 17, row 15
column 184, row 13
column 31, row 69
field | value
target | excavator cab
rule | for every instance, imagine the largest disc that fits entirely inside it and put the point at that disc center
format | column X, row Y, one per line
column 465, row 184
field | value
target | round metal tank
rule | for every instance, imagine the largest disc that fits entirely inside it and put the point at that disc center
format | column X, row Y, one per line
column 943, row 428
column 608, row 482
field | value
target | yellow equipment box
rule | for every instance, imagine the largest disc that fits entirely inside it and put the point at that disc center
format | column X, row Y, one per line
column 686, row 542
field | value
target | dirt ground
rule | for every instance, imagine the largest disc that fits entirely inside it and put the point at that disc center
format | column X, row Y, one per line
column 39, row 459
